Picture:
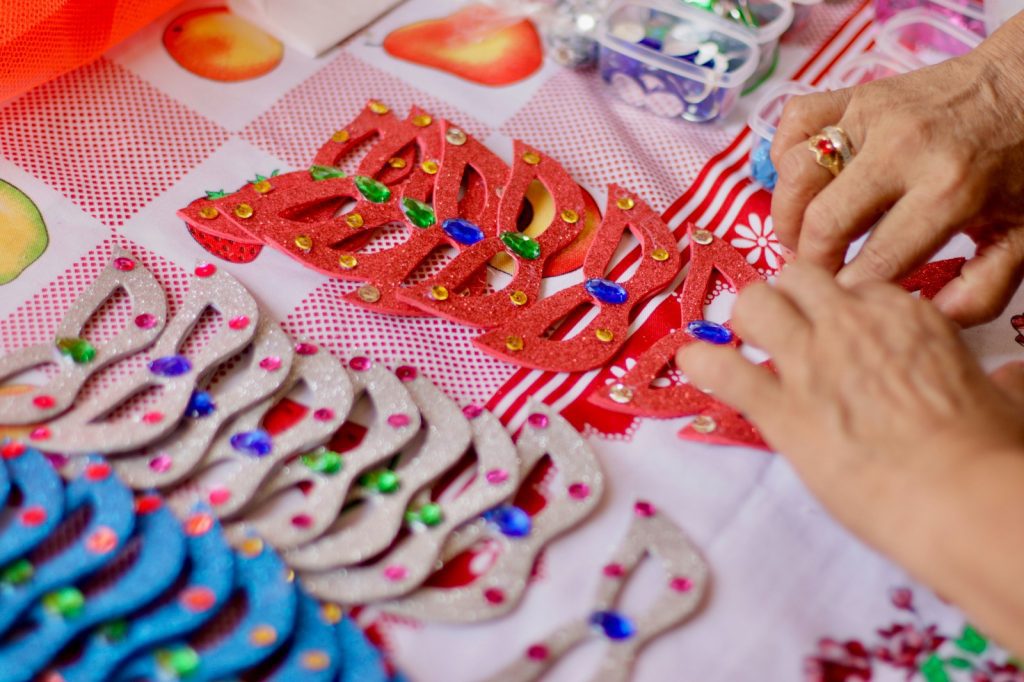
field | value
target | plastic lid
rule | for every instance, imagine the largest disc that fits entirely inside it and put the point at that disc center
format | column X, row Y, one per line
column 853, row 71
column 777, row 16
column 768, row 110
column 626, row 11
column 888, row 38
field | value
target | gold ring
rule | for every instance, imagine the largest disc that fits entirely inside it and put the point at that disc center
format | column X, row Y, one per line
column 832, row 149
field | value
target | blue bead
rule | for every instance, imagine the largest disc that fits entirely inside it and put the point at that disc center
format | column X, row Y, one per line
column 606, row 291
column 613, row 625
column 709, row 331
column 200, row 405
column 462, row 231
column 170, row 366
column 510, row 520
column 256, row 443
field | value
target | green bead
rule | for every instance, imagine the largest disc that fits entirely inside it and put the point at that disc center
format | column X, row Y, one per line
column 182, row 661
column 431, row 514
column 325, row 172
column 383, row 481
column 323, row 461
column 66, row 602
column 374, row 191
column 418, row 213
column 115, row 630
column 521, row 245
column 79, row 350
column 21, row 571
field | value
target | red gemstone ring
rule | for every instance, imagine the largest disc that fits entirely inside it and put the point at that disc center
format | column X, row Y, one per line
column 832, row 149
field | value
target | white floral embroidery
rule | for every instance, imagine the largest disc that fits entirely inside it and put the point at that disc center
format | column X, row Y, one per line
column 760, row 238
column 629, row 363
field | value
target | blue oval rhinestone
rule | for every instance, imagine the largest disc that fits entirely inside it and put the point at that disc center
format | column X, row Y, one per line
column 200, row 405
column 711, row 332
column 510, row 520
column 606, row 291
column 462, row 231
column 256, row 443
column 170, row 366
column 613, row 625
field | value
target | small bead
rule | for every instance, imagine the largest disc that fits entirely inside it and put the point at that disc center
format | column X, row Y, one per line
column 430, row 167
column 243, row 211
column 368, row 293
column 324, row 414
column 660, row 255
column 347, row 261
column 262, row 635
column 570, row 216
column 252, row 547
column 360, row 363
column 323, row 461
column 18, row 573
column 378, row 108
column 262, row 187
column 205, row 270
column 496, row 476
column 12, row 450
column 315, row 660
column 40, row 433
column 354, row 220
column 406, row 373
column 257, row 443
column 126, row 264
column 494, row 595
column 579, row 491
column 518, row 298
column 644, row 509
column 147, row 504
column 620, row 394
column 97, row 472
column 302, row 521
column 102, row 541
column 180, row 662
column 439, row 293
column 614, row 571
column 331, row 613
column 681, row 584
column 512, row 521
column 422, row 120
column 398, row 421
column 146, row 321
column 271, row 363
column 171, row 366
column 306, row 348
column 161, row 463
column 537, row 652
column 703, row 237
column 239, row 323
column 152, row 417
column 396, row 573
column 455, row 137
column 604, row 335
column 198, row 599
column 532, row 158
column 304, row 243
column 472, row 411
column 66, row 602
column 208, row 212
column 538, row 420
column 341, row 136
column 218, row 496
column 33, row 516
column 44, row 402
column 704, row 424
column 198, row 524
column 514, row 343
column 625, row 203
column 614, row 625
column 397, row 163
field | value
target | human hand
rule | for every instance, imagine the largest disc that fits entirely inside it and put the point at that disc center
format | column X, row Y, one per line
column 938, row 151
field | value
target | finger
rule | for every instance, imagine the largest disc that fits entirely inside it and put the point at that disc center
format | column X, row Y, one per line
column 811, row 289
column 805, row 116
column 800, row 180
column 766, row 318
column 845, row 209
column 1010, row 379
column 913, row 229
column 986, row 283
column 749, row 388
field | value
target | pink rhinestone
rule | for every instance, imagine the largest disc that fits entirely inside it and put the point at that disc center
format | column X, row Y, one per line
column 304, row 348
column 145, row 321
column 44, row 402
column 324, row 414
column 160, row 463
column 270, row 363
column 239, row 323
column 579, row 491
column 497, row 476
column 537, row 652
column 359, row 363
column 395, row 572
column 472, row 411
column 398, row 420
column 40, row 433
column 538, row 420
column 302, row 520
column 153, row 417
column 681, row 584
column 206, row 270
column 124, row 264
column 644, row 509
column 494, row 596
column 614, row 570
column 406, row 373
column 219, row 495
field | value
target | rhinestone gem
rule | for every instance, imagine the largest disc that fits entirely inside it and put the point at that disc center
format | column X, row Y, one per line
column 396, row 572
column 462, row 231
column 66, row 602
column 620, row 393
column 521, row 245
column 704, row 424
column 455, row 137
column 625, row 203
column 579, row 491
column 538, row 420
column 532, row 158
column 703, row 237
column 160, row 463
column 208, row 212
column 198, row 524
column 430, row 167
column 146, row 321
column 398, row 421
column 79, row 350
column 306, row 348
column 604, row 335
column 304, row 242
column 21, row 571
column 243, row 211
column 397, row 163
column 614, row 625
column 472, row 411
column 538, row 652
column 127, row 264
column 256, row 443
column 239, row 323
column 271, row 363
column 44, row 402
column 512, row 521
column 378, row 108
column 319, row 173
column 341, row 136
column 711, row 332
column 219, row 495
column 418, row 213
column 439, row 293
column 324, row 414
column 422, row 120
column 606, row 291
column 570, row 216
column 323, row 461
column 263, row 635
column 518, row 298
column 347, row 261
column 354, row 220
column 406, row 373
column 514, row 343
column 262, row 187
column 614, row 570
column 496, row 476
column 681, row 584
column 644, row 509
column 102, row 541
column 170, row 366
column 360, row 363
column 494, row 595
column 374, row 191
column 205, row 270
column 660, row 255
column 368, row 293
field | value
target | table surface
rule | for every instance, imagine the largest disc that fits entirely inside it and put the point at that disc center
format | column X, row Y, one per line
column 109, row 152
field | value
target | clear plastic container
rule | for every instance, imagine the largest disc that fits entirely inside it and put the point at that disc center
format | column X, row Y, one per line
column 802, row 12
column 675, row 60
column 922, row 37
column 966, row 14
column 763, row 121
column 772, row 18
column 867, row 67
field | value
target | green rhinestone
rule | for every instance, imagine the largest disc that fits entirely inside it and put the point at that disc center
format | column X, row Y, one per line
column 431, row 514
column 418, row 213
column 521, row 245
column 374, row 191
column 325, row 172
column 182, row 661
column 66, row 602
column 323, row 461
column 21, row 571
column 383, row 481
column 79, row 350
column 115, row 630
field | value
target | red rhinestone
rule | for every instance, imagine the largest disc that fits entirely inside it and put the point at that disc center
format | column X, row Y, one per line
column 239, row 323
column 124, row 264
column 44, row 402
column 12, row 450
column 147, row 504
column 825, row 146
column 153, row 417
column 40, row 433
column 324, row 414
column 494, row 596
column 33, row 516
column 644, row 509
column 579, row 491
column 97, row 472
column 302, row 520
column 206, row 270
column 406, row 373
column 681, row 584
column 219, row 495
column 306, row 348
column 198, row 599
column 614, row 570
column 537, row 652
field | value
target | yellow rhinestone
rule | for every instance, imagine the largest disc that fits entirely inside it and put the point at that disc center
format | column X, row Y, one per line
column 703, row 237
column 625, row 203
column 354, row 220
column 659, row 255
column 430, row 167
column 262, row 187
column 347, row 261
column 315, row 660
column 704, row 424
column 368, row 293
column 379, row 108
column 341, row 136
column 332, row 613
column 518, row 297
column 303, row 242
column 208, row 212
column 243, row 211
column 620, row 394
column 604, row 335
column 570, row 216
column 289, row 576
column 532, row 158
column 439, row 293
column 422, row 121
column 397, row 162
column 263, row 635
column 514, row 343
column 251, row 547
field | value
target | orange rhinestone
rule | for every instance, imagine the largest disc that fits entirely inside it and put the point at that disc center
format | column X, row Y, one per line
column 397, row 163
column 532, row 158
column 604, row 335
column 514, row 343
column 430, row 167
column 570, row 216
column 518, row 297
column 198, row 524
column 263, row 635
column 262, row 187
column 379, row 108
column 625, row 203
column 208, row 212
column 251, row 547
column 660, row 255
column 422, row 121
column 243, row 211
column 341, row 136
column 332, row 613
column 347, row 261
column 354, row 220
column 315, row 660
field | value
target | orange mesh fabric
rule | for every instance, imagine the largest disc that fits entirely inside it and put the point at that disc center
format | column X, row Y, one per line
column 42, row 39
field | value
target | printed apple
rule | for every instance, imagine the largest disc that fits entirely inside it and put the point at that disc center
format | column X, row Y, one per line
column 23, row 236
column 214, row 43
column 480, row 44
